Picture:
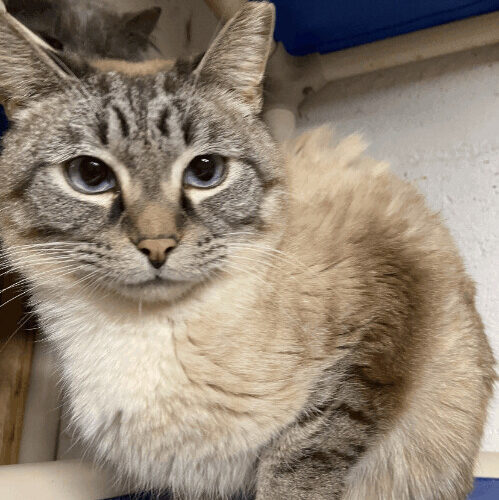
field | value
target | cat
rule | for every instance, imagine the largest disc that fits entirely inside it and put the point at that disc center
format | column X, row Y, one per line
column 230, row 315
column 87, row 28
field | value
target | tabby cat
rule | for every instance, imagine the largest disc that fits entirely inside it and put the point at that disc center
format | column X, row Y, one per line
column 231, row 316
column 87, row 27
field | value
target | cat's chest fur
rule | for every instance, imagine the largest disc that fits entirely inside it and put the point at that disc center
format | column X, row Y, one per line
column 183, row 397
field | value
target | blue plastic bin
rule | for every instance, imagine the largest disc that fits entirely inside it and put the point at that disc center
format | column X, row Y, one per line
column 306, row 26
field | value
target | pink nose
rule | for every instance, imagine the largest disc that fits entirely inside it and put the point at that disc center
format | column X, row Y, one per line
column 157, row 250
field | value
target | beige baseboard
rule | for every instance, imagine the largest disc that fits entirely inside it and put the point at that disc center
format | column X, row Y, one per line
column 60, row 480
column 487, row 464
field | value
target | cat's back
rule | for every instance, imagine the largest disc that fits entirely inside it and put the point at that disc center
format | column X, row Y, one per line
column 354, row 197
column 372, row 246
column 346, row 205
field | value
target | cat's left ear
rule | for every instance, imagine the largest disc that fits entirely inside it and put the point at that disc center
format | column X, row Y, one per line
column 143, row 22
column 237, row 58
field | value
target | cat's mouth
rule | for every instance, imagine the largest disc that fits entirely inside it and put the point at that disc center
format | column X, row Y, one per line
column 155, row 289
column 157, row 281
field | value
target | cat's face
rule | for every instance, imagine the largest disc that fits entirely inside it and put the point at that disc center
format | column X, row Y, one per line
column 146, row 185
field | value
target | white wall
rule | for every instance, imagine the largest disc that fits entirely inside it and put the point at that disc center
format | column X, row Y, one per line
column 437, row 122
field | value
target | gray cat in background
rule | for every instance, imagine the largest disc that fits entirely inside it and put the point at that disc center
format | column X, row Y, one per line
column 88, row 28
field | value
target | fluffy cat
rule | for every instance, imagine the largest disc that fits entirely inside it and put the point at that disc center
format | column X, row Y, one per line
column 86, row 27
column 231, row 316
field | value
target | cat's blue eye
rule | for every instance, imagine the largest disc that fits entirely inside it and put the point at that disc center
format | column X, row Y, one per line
column 90, row 175
column 205, row 171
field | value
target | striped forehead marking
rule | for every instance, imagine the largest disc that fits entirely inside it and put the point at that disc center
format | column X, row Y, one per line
column 140, row 116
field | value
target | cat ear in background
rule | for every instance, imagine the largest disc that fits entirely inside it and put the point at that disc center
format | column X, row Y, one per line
column 28, row 66
column 143, row 22
column 237, row 58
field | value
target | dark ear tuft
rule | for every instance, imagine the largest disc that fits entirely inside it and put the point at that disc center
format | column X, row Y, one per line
column 237, row 58
column 142, row 22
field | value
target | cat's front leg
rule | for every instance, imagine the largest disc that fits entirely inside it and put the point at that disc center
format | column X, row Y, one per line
column 316, row 476
column 312, row 458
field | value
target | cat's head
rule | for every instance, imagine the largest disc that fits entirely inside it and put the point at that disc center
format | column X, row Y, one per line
column 88, row 28
column 148, row 184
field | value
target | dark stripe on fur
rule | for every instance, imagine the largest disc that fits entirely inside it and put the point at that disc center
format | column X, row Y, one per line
column 358, row 372
column 125, row 128
column 102, row 131
column 187, row 126
column 116, row 210
column 357, row 415
column 162, row 122
column 187, row 205
column 321, row 460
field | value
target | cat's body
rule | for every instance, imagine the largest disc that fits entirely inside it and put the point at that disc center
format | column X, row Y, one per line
column 315, row 336
column 359, row 310
column 87, row 27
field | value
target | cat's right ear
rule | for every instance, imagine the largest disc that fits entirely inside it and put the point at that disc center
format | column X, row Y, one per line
column 237, row 58
column 28, row 66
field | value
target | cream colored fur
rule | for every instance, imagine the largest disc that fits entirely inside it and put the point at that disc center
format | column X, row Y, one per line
column 133, row 68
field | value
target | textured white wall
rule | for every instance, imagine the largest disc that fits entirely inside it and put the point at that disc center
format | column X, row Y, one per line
column 437, row 122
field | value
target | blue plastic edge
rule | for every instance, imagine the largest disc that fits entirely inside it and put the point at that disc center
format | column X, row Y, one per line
column 300, row 28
